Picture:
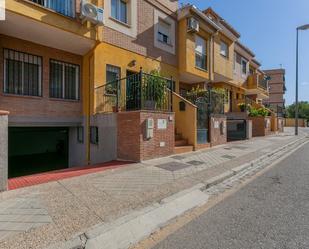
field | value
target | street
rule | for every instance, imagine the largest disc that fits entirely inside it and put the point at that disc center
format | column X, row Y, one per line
column 269, row 212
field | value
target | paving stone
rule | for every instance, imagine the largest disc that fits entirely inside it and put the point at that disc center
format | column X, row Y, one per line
column 228, row 156
column 173, row 166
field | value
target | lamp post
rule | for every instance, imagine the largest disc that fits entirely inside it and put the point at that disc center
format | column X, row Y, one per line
column 304, row 27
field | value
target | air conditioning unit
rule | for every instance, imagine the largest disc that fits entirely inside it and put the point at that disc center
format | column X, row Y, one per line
column 90, row 12
column 193, row 25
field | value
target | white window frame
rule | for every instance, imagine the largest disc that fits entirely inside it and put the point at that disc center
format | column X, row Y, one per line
column 167, row 47
column 168, row 35
column 77, row 78
column 224, row 53
column 17, row 57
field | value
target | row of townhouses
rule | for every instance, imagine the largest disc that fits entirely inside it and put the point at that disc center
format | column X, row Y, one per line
column 86, row 82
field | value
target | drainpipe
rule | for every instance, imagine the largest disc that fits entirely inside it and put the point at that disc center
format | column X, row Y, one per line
column 89, row 110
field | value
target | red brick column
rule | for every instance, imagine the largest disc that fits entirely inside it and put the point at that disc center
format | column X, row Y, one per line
column 218, row 130
column 132, row 143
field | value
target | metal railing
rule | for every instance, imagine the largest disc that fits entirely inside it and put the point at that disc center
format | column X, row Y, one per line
column 64, row 7
column 263, row 83
column 141, row 91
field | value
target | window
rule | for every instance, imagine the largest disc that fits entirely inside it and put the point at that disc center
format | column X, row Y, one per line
column 112, row 75
column 164, row 30
column 80, row 134
column 64, row 80
column 64, row 7
column 22, row 73
column 94, row 135
column 119, row 10
column 243, row 66
column 224, row 49
column 200, row 53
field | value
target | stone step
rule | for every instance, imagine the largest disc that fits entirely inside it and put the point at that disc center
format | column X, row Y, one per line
column 181, row 142
column 183, row 149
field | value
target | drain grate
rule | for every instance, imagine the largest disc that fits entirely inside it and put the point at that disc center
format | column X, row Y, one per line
column 172, row 166
column 195, row 163
column 228, row 156
column 227, row 148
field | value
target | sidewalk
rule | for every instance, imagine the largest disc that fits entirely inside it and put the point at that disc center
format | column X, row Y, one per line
column 38, row 216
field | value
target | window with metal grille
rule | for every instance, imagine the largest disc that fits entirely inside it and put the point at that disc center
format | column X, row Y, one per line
column 64, row 80
column 22, row 73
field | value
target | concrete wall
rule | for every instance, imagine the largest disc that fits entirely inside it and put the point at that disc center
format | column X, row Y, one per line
column 77, row 150
column 106, row 149
column 132, row 141
column 3, row 150
column 218, row 130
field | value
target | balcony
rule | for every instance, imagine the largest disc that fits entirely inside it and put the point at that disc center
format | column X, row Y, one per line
column 140, row 91
column 51, row 23
column 257, row 84
column 64, row 7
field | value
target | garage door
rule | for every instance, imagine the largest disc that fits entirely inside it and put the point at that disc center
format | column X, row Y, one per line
column 35, row 150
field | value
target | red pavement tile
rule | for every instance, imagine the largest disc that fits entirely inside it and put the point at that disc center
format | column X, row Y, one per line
column 25, row 181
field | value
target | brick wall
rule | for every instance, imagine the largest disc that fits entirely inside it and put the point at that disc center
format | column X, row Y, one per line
column 276, row 86
column 261, row 126
column 131, row 136
column 218, row 132
column 38, row 106
column 144, row 42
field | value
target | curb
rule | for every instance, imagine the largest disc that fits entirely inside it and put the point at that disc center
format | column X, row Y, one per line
column 128, row 230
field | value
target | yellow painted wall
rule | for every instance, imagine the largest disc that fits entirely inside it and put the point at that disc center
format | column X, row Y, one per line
column 108, row 54
column 47, row 16
column 186, row 50
column 185, row 121
column 223, row 65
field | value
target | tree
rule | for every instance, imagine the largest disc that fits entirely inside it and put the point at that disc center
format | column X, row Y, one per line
column 303, row 110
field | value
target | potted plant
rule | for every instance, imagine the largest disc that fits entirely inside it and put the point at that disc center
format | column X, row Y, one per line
column 242, row 107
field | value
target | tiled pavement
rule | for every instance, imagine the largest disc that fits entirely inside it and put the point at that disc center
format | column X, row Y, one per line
column 68, row 207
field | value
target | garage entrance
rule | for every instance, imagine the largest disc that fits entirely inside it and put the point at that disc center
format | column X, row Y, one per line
column 37, row 149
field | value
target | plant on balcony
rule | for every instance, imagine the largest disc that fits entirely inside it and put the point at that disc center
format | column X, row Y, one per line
column 242, row 106
column 196, row 93
column 260, row 112
column 154, row 90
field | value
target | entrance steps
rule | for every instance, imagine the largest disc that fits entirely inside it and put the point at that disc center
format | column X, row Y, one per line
column 181, row 144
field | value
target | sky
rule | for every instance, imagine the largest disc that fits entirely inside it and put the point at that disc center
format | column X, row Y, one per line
column 268, row 28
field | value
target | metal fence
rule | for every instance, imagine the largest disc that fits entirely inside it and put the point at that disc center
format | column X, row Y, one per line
column 64, row 7
column 141, row 91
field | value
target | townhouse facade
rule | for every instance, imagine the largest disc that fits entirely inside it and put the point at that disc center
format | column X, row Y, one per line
column 81, row 91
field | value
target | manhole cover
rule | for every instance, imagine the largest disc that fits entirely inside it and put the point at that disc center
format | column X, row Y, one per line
column 227, row 148
column 195, row 162
column 228, row 156
column 178, row 157
column 173, row 166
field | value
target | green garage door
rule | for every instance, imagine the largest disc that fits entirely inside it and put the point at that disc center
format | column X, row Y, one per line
column 34, row 150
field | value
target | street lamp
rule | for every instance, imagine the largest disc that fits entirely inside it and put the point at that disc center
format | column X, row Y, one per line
column 304, row 27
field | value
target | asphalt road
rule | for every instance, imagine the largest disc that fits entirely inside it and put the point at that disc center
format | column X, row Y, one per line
column 272, row 211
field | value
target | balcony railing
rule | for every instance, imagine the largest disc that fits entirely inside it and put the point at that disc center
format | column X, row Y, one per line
column 141, row 91
column 64, row 7
column 255, row 81
column 263, row 83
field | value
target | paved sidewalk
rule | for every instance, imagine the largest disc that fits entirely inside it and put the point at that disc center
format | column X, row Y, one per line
column 38, row 216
